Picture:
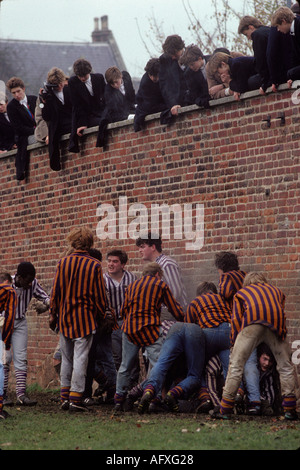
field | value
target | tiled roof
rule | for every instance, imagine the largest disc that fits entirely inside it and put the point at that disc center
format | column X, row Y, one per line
column 31, row 60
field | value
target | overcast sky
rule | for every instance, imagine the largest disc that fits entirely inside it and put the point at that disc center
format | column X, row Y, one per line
column 73, row 20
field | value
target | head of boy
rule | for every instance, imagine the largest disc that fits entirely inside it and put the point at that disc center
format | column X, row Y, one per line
column 247, row 25
column 16, row 87
column 82, row 69
column 25, row 275
column 152, row 69
column 192, row 58
column 282, row 19
column 174, row 46
column 150, row 246
column 113, row 76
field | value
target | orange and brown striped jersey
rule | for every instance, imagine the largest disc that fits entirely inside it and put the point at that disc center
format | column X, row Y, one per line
column 8, row 305
column 78, row 296
column 259, row 303
column 208, row 310
column 142, row 307
column 230, row 283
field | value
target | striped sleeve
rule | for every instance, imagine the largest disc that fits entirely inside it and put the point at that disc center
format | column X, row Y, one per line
column 208, row 310
column 8, row 304
column 78, row 295
column 230, row 283
column 259, row 303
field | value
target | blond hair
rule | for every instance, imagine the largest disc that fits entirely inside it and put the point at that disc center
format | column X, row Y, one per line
column 282, row 13
column 81, row 238
column 56, row 76
column 254, row 278
column 151, row 269
column 247, row 21
column 216, row 61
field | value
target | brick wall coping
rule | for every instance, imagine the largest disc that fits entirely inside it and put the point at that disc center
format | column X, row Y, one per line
column 150, row 117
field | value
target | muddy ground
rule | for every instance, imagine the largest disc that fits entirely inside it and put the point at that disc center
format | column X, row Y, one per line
column 48, row 402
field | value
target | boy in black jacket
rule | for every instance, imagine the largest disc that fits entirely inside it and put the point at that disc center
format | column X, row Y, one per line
column 119, row 96
column 171, row 75
column 195, row 76
column 259, row 34
column 20, row 111
column 149, row 98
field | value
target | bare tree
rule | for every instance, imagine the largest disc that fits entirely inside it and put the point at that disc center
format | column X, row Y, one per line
column 219, row 30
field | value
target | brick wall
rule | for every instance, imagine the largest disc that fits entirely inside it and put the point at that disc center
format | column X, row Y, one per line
column 244, row 173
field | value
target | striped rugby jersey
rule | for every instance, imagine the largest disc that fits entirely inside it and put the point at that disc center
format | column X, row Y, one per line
column 25, row 296
column 208, row 310
column 116, row 290
column 258, row 303
column 8, row 304
column 172, row 277
column 230, row 283
column 142, row 307
column 78, row 295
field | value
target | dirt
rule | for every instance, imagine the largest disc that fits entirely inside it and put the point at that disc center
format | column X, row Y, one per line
column 48, row 402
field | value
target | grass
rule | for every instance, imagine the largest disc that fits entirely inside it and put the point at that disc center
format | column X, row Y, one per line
column 46, row 427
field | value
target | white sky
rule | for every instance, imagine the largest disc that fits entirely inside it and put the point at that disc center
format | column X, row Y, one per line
column 73, row 20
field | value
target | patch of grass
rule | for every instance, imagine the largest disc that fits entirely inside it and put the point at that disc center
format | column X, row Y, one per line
column 39, row 429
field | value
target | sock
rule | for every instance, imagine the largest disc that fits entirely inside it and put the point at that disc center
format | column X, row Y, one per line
column 6, row 376
column 118, row 398
column 136, row 392
column 176, row 392
column 203, row 395
column 289, row 403
column 64, row 393
column 226, row 406
column 75, row 397
column 149, row 389
column 21, row 377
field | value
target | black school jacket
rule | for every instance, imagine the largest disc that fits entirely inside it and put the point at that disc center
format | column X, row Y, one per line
column 24, row 126
column 59, row 120
column 7, row 134
column 149, row 101
column 117, row 107
column 197, row 88
column 171, row 81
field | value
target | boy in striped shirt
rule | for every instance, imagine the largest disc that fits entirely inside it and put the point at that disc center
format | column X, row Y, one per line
column 150, row 248
column 141, row 311
column 258, row 316
column 8, row 306
column 231, row 276
column 26, row 287
column 78, row 304
column 117, row 279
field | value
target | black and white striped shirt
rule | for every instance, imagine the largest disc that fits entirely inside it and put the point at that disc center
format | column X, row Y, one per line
column 25, row 296
column 172, row 277
column 116, row 290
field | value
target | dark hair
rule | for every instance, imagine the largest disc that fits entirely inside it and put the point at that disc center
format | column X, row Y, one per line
column 222, row 49
column 152, row 67
column 173, row 44
column 95, row 253
column 191, row 54
column 5, row 276
column 26, row 268
column 15, row 82
column 206, row 288
column 82, row 67
column 227, row 261
column 150, row 239
column 263, row 348
column 122, row 255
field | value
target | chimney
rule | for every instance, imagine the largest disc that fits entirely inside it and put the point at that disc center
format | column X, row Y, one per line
column 103, row 34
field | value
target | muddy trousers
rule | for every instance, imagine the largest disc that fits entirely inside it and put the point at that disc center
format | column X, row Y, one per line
column 247, row 340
